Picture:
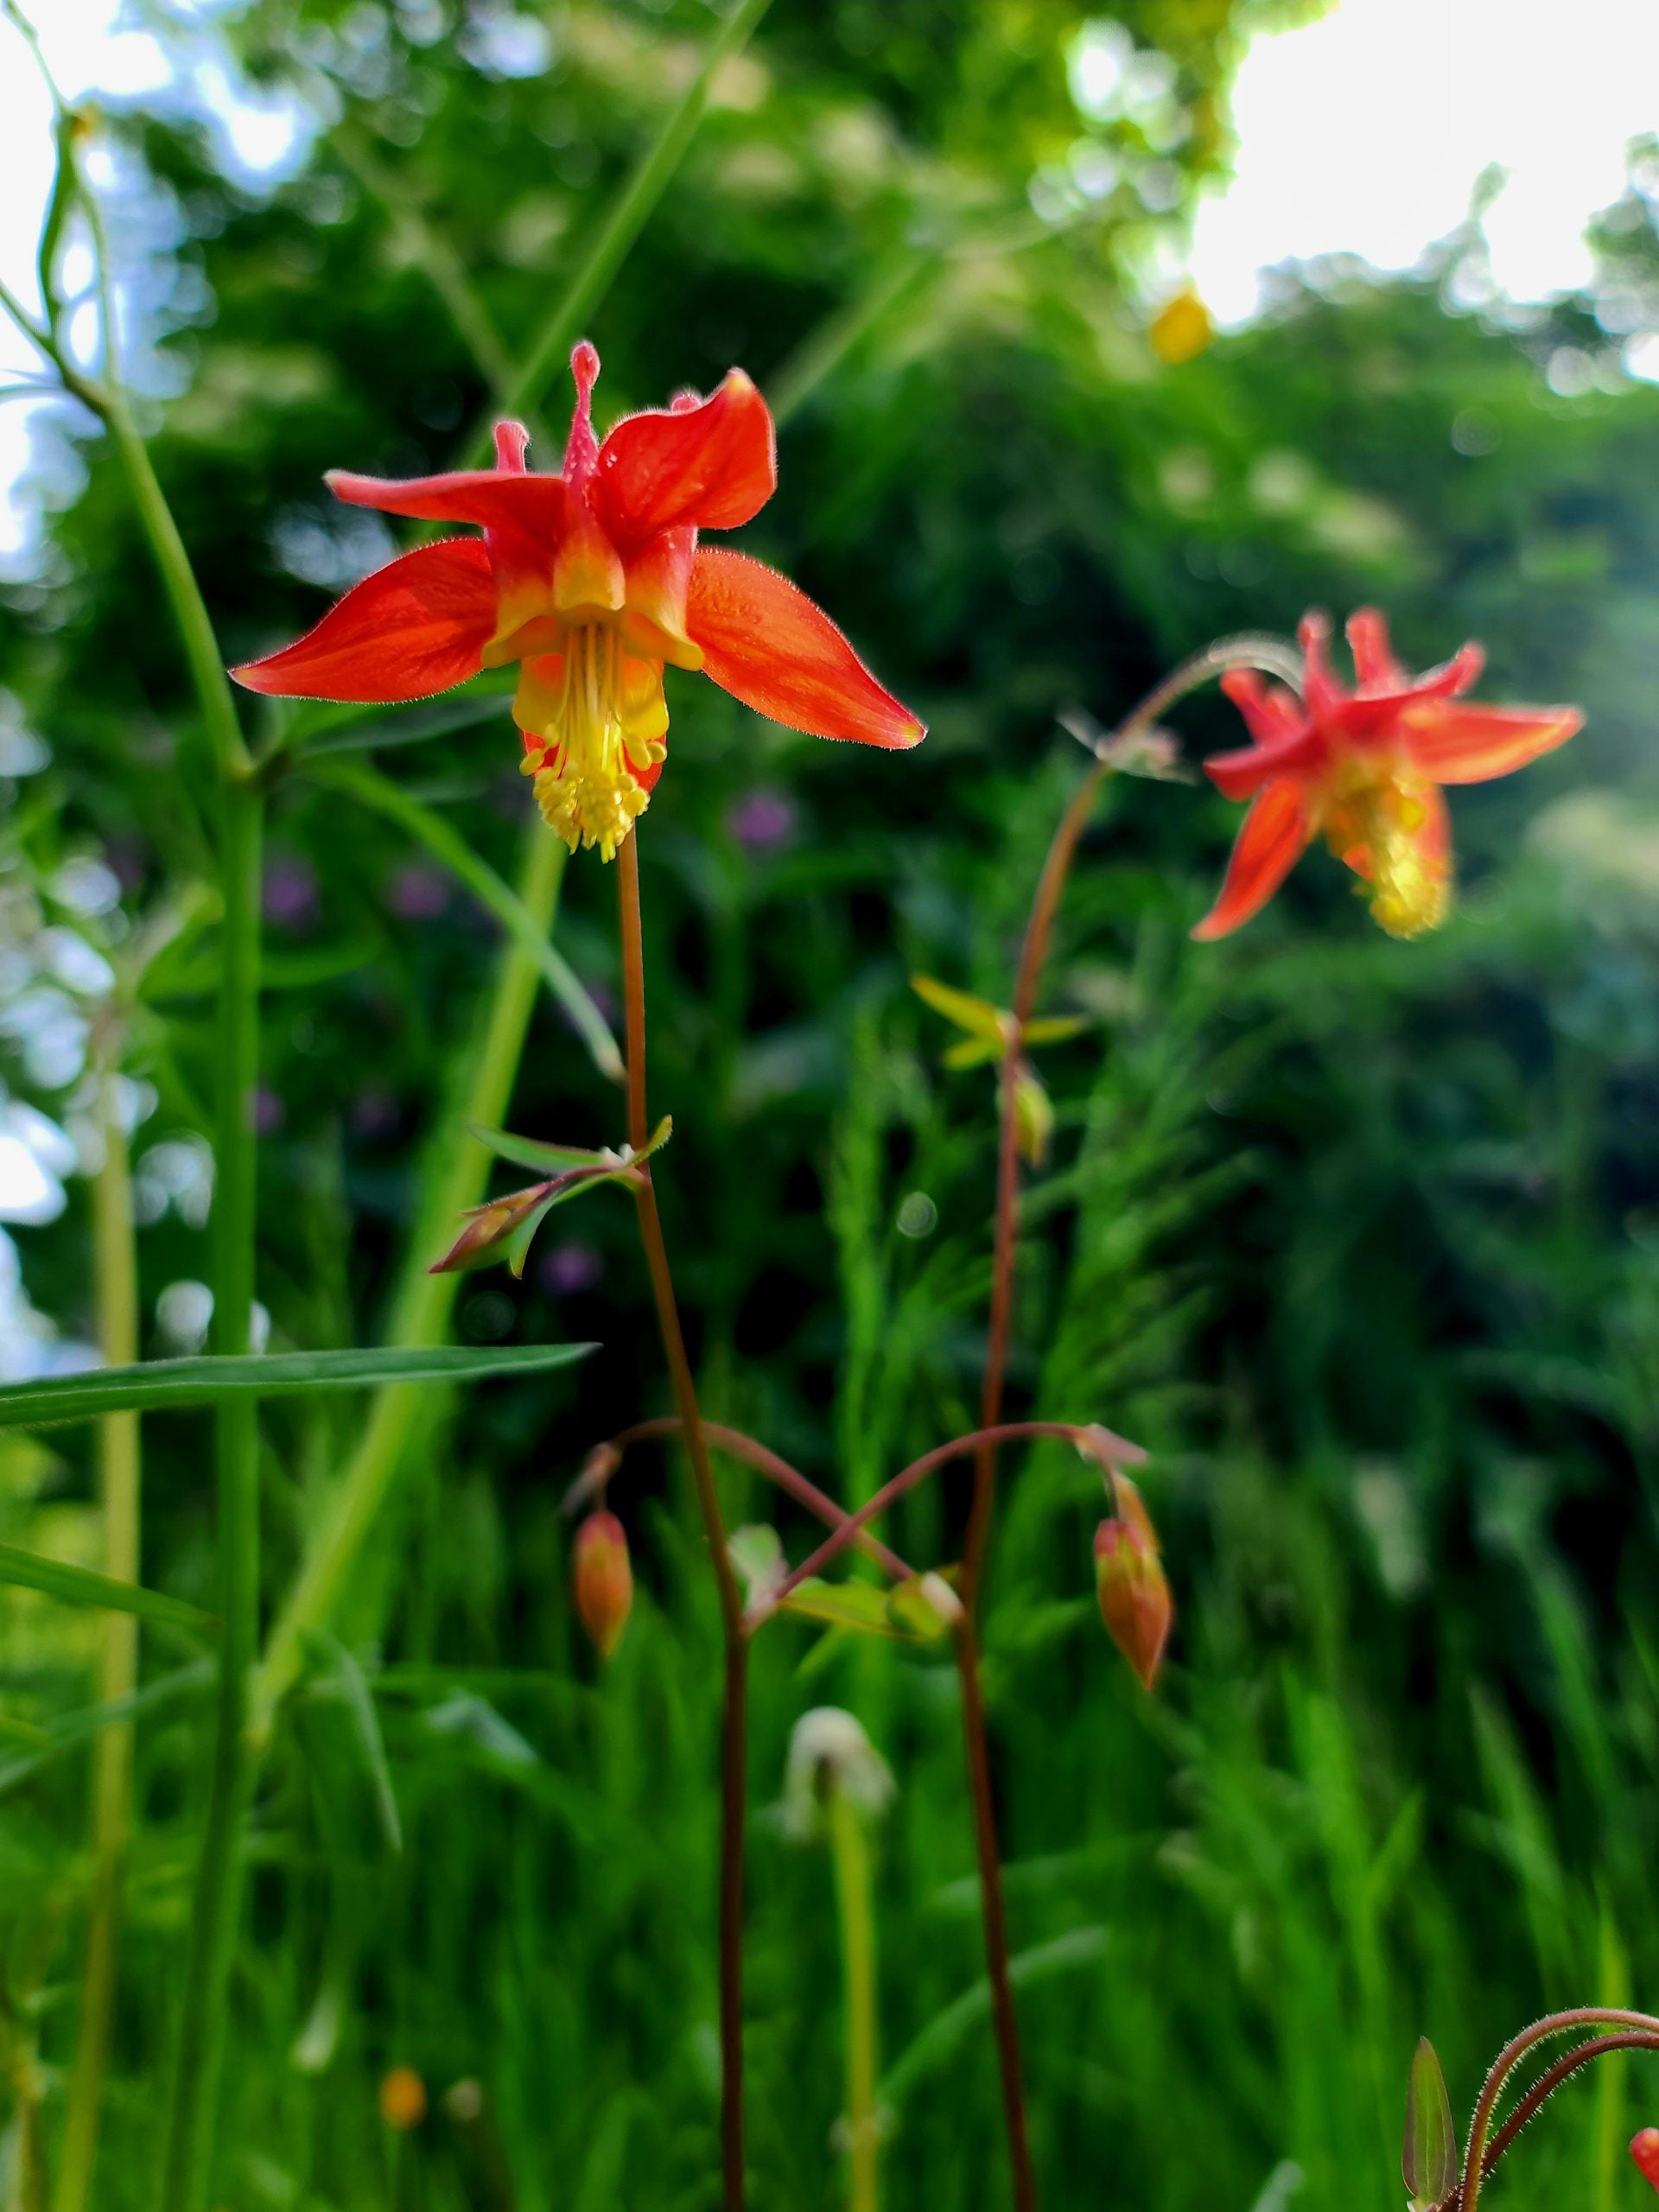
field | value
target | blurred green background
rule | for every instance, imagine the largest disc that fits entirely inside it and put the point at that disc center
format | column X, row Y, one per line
column 1361, row 1239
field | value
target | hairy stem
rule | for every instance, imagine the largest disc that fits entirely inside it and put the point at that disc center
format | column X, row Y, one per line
column 734, row 1717
column 215, row 1912
column 1475, row 2163
column 116, row 1281
column 1544, row 2089
column 850, row 1850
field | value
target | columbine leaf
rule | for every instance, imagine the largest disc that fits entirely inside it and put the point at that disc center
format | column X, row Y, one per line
column 977, row 1016
column 169, row 1384
column 528, row 1151
column 78, row 1585
column 1429, row 2160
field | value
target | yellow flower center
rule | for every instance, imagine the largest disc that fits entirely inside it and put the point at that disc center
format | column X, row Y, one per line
column 1377, row 828
column 595, row 718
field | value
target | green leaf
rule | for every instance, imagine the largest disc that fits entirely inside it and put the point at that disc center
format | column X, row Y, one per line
column 446, row 844
column 973, row 1053
column 164, row 1384
column 1053, row 1028
column 79, row 1586
column 553, row 1159
column 1429, row 2160
column 913, row 1613
column 977, row 1016
column 867, row 1610
column 342, row 1678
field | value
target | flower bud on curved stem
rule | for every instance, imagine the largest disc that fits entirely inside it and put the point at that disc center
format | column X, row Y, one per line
column 1644, row 2149
column 604, row 1579
column 1134, row 1600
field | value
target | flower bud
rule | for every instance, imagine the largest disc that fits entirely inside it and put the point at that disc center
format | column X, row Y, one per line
column 1644, row 2149
column 403, row 2099
column 604, row 1579
column 1135, row 1599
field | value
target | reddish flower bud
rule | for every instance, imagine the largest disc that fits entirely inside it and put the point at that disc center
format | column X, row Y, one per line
column 1135, row 1599
column 604, row 1579
column 1644, row 2149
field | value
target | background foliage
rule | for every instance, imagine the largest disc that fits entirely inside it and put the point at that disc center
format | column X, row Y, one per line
column 1362, row 1240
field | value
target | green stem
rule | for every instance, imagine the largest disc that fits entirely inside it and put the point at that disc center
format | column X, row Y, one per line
column 627, row 218
column 849, row 1846
column 213, row 1917
column 115, row 1279
column 457, row 1169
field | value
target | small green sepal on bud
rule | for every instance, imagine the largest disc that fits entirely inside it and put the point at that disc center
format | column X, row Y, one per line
column 1429, row 2159
column 604, row 1579
column 1135, row 1599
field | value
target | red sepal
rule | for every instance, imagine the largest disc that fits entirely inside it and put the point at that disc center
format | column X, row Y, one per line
column 417, row 625
column 768, row 644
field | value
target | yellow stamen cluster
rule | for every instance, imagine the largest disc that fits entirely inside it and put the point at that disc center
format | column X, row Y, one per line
column 596, row 719
column 1377, row 829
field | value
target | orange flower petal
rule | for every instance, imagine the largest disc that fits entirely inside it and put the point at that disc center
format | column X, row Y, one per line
column 416, row 626
column 764, row 642
column 713, row 466
column 1273, row 836
column 1470, row 745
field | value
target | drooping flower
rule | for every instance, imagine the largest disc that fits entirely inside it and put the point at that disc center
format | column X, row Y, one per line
column 1364, row 770
column 592, row 581
column 1136, row 1603
column 1644, row 2149
column 604, row 1579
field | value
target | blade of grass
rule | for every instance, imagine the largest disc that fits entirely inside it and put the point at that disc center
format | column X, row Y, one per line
column 79, row 1586
column 371, row 789
column 171, row 1384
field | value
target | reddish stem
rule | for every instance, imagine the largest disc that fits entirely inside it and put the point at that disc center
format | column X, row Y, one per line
column 1232, row 653
column 1214, row 660
column 735, row 1713
column 1543, row 2090
column 1475, row 2164
column 1110, row 1451
column 790, row 1479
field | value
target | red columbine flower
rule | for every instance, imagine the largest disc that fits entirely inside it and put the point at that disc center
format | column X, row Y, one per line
column 1365, row 769
column 592, row 580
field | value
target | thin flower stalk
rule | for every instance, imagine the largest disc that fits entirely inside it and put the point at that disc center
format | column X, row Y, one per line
column 733, row 1630
column 777, row 1471
column 1239, row 653
column 1109, row 1451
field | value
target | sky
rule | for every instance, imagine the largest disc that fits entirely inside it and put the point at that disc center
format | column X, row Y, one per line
column 1364, row 132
